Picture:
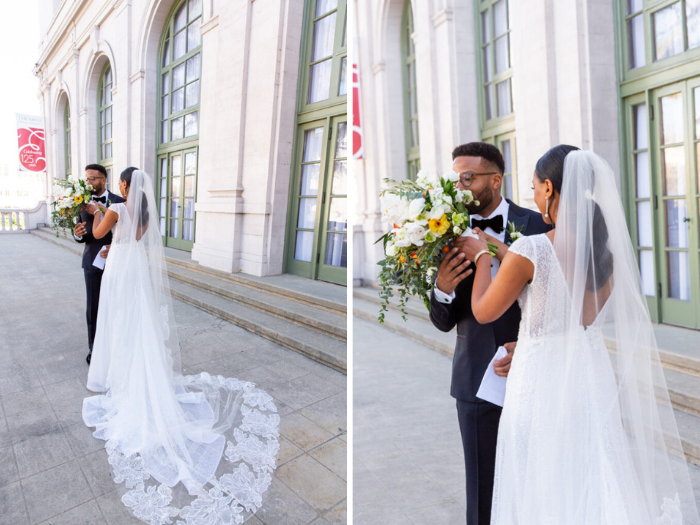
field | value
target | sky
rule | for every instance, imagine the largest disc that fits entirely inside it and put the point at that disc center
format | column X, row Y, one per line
column 19, row 88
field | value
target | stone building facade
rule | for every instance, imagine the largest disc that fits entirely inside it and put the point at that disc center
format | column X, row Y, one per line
column 214, row 98
column 619, row 77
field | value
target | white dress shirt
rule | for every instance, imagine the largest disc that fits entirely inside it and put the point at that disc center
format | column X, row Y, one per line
column 501, row 209
column 105, row 194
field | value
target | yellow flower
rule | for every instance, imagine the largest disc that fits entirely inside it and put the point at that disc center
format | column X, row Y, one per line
column 78, row 199
column 439, row 226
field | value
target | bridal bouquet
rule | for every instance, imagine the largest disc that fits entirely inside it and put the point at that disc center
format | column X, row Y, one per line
column 71, row 194
column 426, row 215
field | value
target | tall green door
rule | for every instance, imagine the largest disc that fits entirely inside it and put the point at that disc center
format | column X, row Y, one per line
column 177, row 194
column 675, row 134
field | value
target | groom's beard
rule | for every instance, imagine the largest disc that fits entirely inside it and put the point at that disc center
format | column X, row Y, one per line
column 485, row 198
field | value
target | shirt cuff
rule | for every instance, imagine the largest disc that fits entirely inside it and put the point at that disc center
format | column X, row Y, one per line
column 442, row 297
column 77, row 238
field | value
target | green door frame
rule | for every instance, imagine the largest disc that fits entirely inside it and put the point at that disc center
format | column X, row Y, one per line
column 324, row 113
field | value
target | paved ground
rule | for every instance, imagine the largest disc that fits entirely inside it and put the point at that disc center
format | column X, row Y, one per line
column 408, row 461
column 52, row 471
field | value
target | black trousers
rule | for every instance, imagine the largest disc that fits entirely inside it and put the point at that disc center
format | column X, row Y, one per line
column 478, row 423
column 93, row 280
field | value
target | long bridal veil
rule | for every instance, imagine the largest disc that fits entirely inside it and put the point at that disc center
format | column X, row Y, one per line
column 616, row 439
column 199, row 448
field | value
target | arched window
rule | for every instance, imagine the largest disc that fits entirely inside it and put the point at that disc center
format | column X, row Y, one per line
column 104, row 105
column 66, row 139
column 410, row 98
column 178, row 113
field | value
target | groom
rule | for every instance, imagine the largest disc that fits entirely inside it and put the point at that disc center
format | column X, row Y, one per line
column 481, row 168
column 96, row 175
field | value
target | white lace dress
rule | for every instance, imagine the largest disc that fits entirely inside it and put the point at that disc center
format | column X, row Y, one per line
column 561, row 458
column 191, row 450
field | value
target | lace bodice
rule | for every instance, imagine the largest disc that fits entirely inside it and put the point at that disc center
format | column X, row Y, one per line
column 533, row 299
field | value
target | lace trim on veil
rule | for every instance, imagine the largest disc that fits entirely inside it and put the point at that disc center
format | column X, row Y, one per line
column 252, row 457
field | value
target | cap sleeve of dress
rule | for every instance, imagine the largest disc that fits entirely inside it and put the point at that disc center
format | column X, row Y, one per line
column 525, row 247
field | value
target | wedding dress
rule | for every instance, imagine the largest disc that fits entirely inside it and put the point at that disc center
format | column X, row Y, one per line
column 586, row 436
column 191, row 450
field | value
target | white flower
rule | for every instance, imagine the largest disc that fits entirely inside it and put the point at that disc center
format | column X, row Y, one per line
column 89, row 187
column 394, row 208
column 515, row 236
column 451, row 176
column 464, row 196
column 425, row 179
column 415, row 208
column 457, row 230
column 436, row 195
column 415, row 232
column 390, row 249
column 438, row 211
column 67, row 192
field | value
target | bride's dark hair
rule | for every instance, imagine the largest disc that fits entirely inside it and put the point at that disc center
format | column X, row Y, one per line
column 126, row 177
column 551, row 167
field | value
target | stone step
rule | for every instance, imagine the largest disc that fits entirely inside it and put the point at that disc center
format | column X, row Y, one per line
column 415, row 309
column 689, row 430
column 333, row 324
column 318, row 294
column 318, row 333
column 319, row 347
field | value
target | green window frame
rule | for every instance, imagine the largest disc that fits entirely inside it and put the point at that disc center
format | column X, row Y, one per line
column 316, row 239
column 104, row 120
column 178, row 105
column 410, row 94
column 67, row 140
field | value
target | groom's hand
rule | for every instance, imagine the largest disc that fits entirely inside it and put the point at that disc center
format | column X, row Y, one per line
column 104, row 252
column 502, row 366
column 80, row 230
column 452, row 271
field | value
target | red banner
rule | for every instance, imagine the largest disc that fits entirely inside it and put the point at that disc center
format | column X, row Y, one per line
column 357, row 147
column 30, row 133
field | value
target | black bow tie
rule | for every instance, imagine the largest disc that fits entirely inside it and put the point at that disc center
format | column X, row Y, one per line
column 103, row 200
column 495, row 223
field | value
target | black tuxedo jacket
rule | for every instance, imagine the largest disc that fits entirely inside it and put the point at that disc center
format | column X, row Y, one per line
column 92, row 245
column 477, row 343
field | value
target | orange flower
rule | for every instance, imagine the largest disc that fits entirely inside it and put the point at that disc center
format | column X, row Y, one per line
column 402, row 259
column 445, row 249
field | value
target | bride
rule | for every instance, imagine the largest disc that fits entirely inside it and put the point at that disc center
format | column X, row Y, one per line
column 587, row 436
column 199, row 448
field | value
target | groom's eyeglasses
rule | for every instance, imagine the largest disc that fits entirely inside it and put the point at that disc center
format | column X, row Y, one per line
column 467, row 177
column 93, row 179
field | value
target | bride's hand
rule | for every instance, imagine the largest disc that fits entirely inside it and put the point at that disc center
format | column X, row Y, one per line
column 92, row 208
column 502, row 366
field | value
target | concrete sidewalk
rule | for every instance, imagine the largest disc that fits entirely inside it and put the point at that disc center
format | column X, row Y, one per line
column 51, row 468
column 408, row 460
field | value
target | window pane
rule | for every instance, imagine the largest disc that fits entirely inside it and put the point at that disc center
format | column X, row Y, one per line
column 195, row 9
column 634, row 5
column 307, row 213
column 313, row 142
column 505, row 146
column 324, row 36
column 177, row 166
column 309, row 179
column 341, row 145
column 192, row 94
column 162, row 227
column 188, row 227
column 668, row 31
column 164, row 132
column 323, row 6
column 338, row 214
column 165, row 107
column 487, row 62
column 165, row 88
column 485, row 28
column 320, row 81
column 696, row 91
column 340, row 178
column 181, row 17
column 645, row 234
column 194, row 35
column 337, row 250
column 500, row 18
column 672, row 119
column 646, row 268
column 343, row 90
column 191, row 124
column 179, row 45
column 504, row 105
column 674, row 170
column 174, row 229
column 190, row 166
column 678, row 276
column 166, row 53
column 641, row 163
column 488, row 102
column 189, row 205
column 177, row 129
column 692, row 15
column 635, row 29
column 193, row 68
column 178, row 100
column 179, row 76
column 502, row 54
column 676, row 227
column 641, row 130
column 304, row 246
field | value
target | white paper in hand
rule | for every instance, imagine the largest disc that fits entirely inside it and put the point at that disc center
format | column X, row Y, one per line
column 493, row 386
column 99, row 260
